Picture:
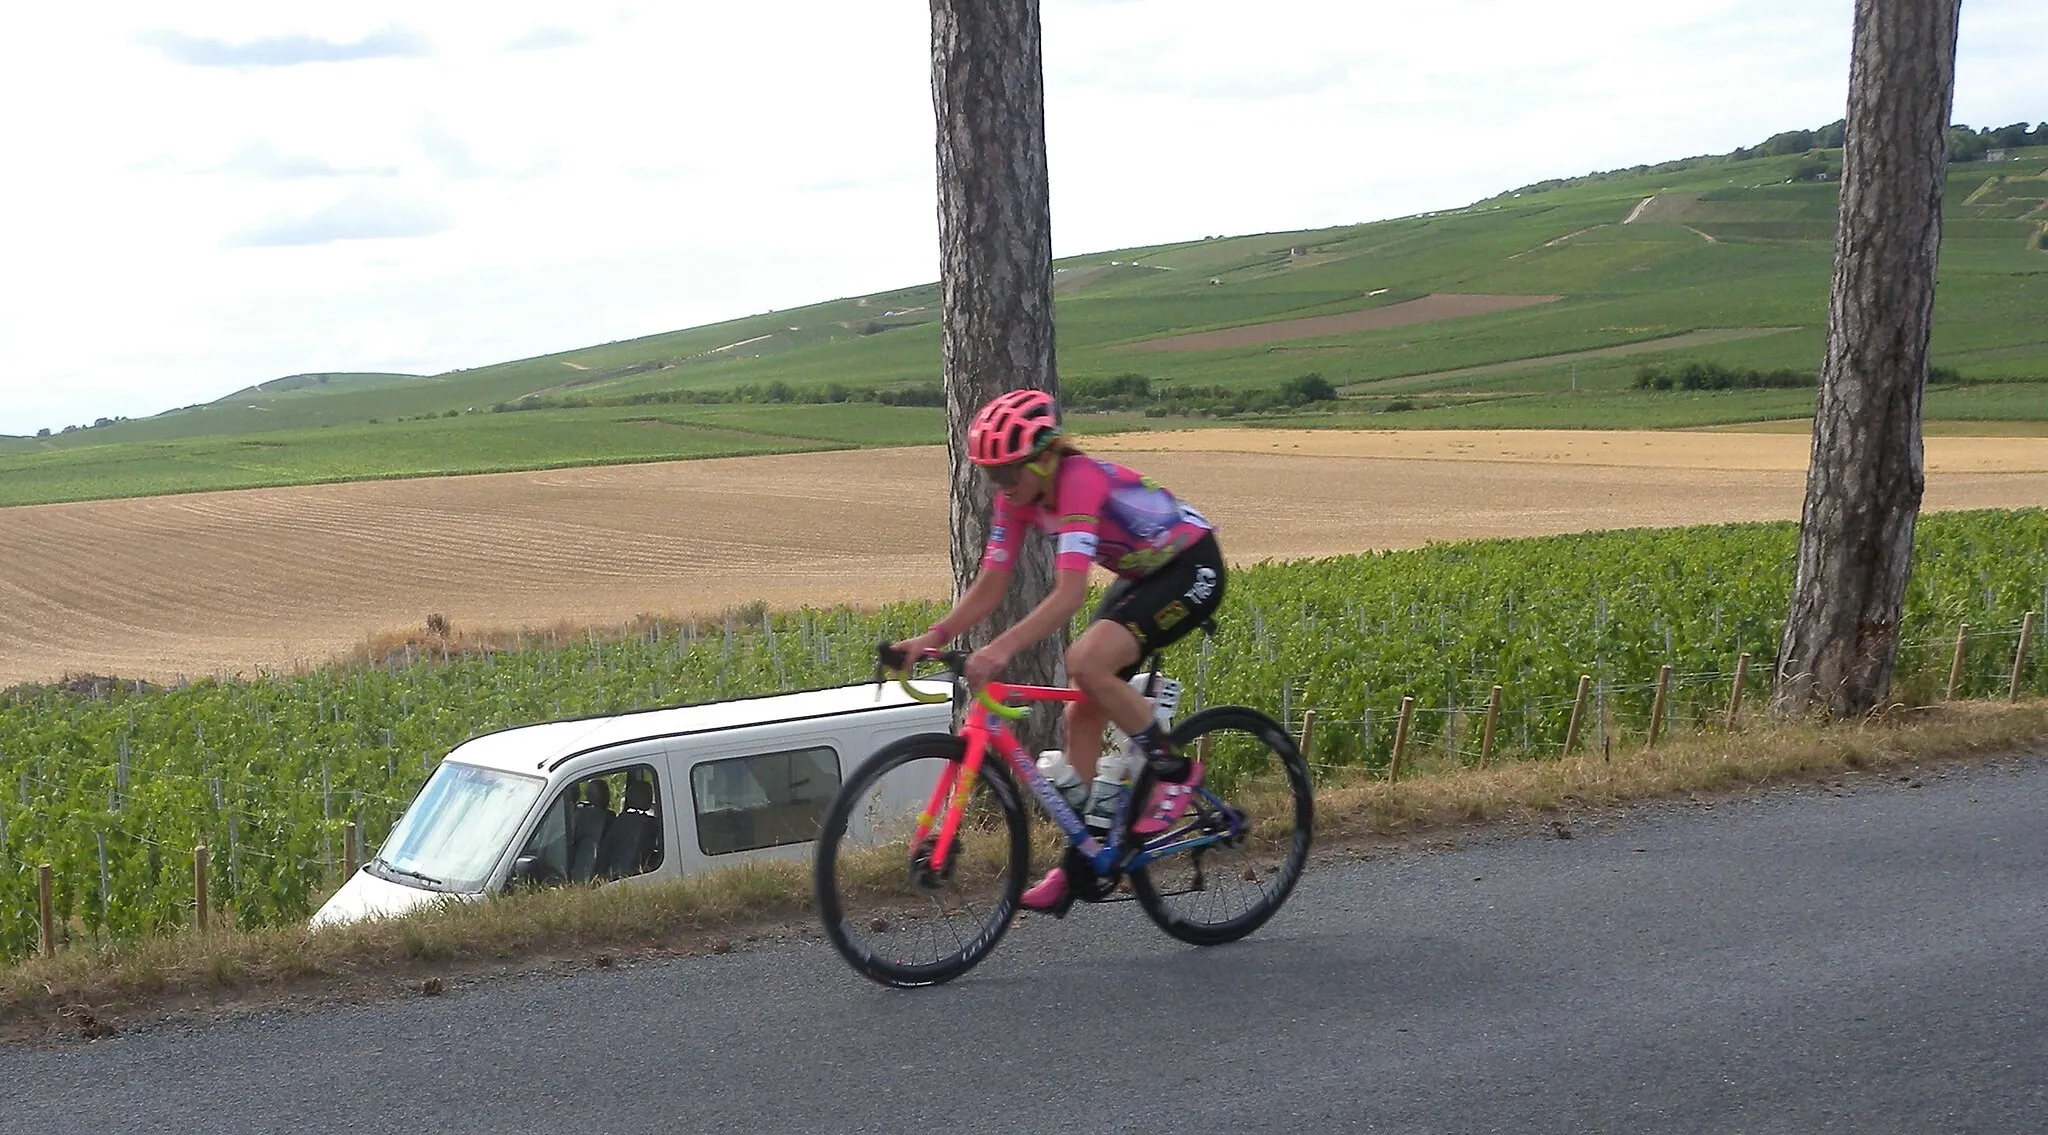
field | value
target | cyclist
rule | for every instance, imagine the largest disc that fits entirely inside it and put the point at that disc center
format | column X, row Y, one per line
column 1170, row 579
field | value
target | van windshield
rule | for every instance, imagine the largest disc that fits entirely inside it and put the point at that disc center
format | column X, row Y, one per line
column 457, row 829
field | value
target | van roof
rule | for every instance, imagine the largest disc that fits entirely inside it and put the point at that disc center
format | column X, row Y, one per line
column 538, row 748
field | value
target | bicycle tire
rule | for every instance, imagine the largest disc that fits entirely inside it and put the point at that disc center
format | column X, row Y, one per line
column 1276, row 850
column 872, row 901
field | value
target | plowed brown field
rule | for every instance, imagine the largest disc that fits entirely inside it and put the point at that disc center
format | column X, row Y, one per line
column 221, row 582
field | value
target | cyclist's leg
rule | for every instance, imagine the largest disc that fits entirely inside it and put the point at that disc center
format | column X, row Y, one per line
column 1100, row 664
column 1094, row 661
column 1085, row 723
column 1088, row 654
column 1134, row 618
column 1140, row 616
column 1158, row 611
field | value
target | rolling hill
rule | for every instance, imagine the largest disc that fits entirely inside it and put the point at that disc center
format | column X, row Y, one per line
column 1541, row 307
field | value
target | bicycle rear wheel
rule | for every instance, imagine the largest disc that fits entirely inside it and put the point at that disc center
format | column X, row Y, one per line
column 887, row 912
column 1256, row 786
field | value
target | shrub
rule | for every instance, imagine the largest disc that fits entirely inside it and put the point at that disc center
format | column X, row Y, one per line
column 1118, row 392
column 1696, row 375
column 1310, row 387
column 925, row 394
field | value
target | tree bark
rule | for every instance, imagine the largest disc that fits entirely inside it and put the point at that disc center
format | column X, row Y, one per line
column 1866, row 475
column 995, row 277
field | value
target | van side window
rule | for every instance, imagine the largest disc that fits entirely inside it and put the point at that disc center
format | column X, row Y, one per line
column 763, row 801
column 603, row 826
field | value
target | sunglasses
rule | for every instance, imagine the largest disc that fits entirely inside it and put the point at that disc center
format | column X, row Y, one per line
column 1004, row 476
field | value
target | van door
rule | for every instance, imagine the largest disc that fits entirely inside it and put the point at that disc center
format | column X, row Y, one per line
column 605, row 820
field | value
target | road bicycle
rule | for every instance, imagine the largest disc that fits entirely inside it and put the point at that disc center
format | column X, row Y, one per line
column 925, row 851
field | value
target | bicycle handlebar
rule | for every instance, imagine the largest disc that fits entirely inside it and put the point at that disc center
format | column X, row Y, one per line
column 887, row 657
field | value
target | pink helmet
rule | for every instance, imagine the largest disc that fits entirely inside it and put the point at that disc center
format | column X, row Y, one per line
column 1013, row 426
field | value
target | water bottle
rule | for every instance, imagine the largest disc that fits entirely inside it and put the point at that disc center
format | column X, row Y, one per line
column 1053, row 766
column 1112, row 774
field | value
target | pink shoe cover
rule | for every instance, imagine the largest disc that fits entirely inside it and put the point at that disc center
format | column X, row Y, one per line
column 1050, row 892
column 1169, row 802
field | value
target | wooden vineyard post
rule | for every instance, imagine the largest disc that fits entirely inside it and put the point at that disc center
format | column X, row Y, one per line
column 1571, row 732
column 1735, row 695
column 1308, row 732
column 1657, row 703
column 1401, row 737
column 1492, row 719
column 45, row 911
column 1955, row 664
column 2019, row 657
column 348, row 851
column 199, row 908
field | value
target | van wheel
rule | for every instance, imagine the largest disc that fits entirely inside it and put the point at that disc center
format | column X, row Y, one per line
column 888, row 911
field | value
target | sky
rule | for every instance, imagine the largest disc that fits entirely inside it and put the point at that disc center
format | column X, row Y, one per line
column 207, row 195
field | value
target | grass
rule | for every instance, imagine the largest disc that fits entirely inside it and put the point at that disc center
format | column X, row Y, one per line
column 1593, row 409
column 2027, row 428
column 1625, row 286
column 90, row 991
column 486, row 444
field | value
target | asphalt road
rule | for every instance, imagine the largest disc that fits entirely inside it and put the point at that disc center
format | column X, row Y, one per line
column 1806, row 961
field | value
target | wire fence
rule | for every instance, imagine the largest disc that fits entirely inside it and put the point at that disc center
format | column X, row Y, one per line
column 1624, row 709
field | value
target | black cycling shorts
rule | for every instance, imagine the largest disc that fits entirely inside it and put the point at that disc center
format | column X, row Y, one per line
column 1160, row 609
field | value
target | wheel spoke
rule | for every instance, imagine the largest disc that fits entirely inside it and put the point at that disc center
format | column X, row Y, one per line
column 886, row 911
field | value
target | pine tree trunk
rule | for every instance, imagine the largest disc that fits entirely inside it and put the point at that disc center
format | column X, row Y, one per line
column 995, row 276
column 1864, row 484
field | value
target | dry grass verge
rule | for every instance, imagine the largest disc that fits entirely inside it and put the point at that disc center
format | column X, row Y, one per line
column 93, row 991
column 1700, row 763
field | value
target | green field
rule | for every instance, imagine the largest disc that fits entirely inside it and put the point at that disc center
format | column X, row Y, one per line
column 488, row 443
column 1732, row 256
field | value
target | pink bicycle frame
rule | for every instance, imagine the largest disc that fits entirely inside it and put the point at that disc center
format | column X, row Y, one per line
column 956, row 785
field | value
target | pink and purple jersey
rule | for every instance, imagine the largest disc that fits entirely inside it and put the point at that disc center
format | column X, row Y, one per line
column 1102, row 513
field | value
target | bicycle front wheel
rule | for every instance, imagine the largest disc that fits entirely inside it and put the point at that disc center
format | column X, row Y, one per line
column 1256, row 795
column 887, row 911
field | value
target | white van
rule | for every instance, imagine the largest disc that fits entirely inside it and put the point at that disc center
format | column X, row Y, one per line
column 658, row 794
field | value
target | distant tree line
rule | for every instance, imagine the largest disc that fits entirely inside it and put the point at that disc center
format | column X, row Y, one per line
column 1119, row 392
column 1713, row 376
column 1828, row 137
column 1965, row 143
column 1696, row 375
column 1136, row 392
column 777, row 391
column 97, row 423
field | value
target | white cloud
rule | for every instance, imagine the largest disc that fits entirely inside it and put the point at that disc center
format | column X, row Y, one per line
column 265, row 161
column 447, row 151
column 273, row 189
column 364, row 214
column 544, row 39
column 285, row 50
